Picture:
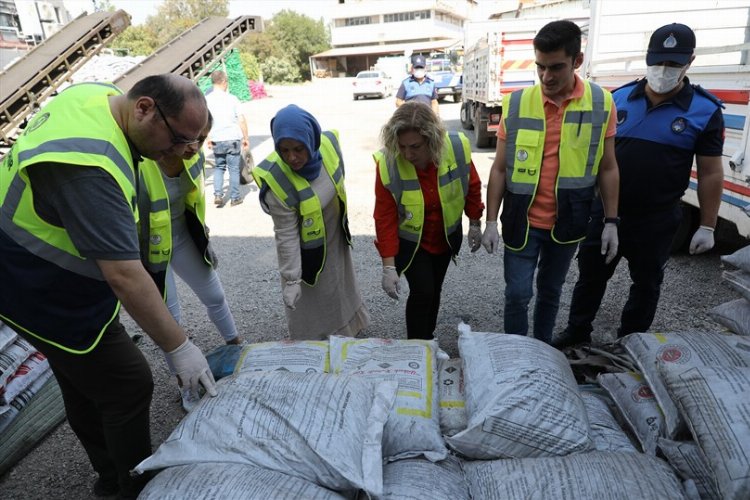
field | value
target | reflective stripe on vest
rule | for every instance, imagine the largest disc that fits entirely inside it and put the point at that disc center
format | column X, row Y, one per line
column 581, row 148
column 156, row 217
column 74, row 128
column 295, row 193
column 399, row 176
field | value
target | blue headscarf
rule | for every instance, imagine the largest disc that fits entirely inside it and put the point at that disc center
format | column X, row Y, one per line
column 293, row 122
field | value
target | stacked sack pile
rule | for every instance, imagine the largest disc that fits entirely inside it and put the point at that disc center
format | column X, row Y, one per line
column 735, row 314
column 382, row 418
column 30, row 401
column 257, row 89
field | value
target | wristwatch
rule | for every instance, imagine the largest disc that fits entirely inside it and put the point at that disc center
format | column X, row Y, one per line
column 612, row 220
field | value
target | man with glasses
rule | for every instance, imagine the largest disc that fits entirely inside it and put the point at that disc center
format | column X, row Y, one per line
column 69, row 257
column 227, row 139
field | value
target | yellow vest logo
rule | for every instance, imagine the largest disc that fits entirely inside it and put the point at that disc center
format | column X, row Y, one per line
column 36, row 122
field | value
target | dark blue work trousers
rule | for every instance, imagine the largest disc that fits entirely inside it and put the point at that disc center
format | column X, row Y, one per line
column 645, row 242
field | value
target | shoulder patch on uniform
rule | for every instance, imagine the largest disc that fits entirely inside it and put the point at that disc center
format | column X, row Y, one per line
column 708, row 95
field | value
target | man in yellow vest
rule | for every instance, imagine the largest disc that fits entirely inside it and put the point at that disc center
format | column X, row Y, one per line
column 555, row 146
column 69, row 256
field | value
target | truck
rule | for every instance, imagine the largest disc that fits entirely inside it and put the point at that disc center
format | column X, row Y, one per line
column 498, row 59
column 616, row 54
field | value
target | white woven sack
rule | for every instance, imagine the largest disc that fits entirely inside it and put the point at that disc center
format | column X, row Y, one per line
column 739, row 280
column 7, row 336
column 739, row 259
column 522, row 399
column 420, row 479
column 598, row 475
column 321, row 428
column 606, row 433
column 452, row 396
column 688, row 460
column 300, row 356
column 227, row 481
column 716, row 404
column 413, row 427
column 683, row 349
column 734, row 315
column 637, row 406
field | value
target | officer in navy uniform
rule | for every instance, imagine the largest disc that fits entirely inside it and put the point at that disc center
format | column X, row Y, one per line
column 418, row 87
column 663, row 122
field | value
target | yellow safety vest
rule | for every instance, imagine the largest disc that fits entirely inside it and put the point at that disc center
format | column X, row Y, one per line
column 399, row 176
column 581, row 148
column 49, row 290
column 156, row 219
column 295, row 193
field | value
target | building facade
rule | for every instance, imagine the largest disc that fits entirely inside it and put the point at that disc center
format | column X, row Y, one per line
column 383, row 33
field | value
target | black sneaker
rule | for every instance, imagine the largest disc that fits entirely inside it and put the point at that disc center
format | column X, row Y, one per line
column 106, row 487
column 566, row 339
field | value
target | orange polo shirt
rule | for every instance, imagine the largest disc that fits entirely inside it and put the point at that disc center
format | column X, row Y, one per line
column 543, row 211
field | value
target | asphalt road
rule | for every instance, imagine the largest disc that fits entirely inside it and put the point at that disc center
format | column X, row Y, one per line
column 243, row 236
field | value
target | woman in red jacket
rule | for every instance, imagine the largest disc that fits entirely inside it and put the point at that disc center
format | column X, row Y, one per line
column 425, row 180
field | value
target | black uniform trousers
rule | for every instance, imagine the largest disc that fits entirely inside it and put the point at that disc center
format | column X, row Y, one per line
column 425, row 276
column 645, row 242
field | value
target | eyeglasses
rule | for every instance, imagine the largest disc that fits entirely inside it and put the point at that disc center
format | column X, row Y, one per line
column 176, row 139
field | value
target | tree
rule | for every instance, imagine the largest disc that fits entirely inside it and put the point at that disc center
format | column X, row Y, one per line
column 173, row 17
column 277, row 70
column 300, row 37
column 137, row 41
column 290, row 36
column 251, row 65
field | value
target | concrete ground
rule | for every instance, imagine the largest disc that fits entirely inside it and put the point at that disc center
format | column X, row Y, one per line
column 243, row 236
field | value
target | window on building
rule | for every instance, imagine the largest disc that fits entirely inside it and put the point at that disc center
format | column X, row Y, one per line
column 407, row 16
column 357, row 21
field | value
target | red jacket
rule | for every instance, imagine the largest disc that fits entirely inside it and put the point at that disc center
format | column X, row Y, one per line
column 433, row 233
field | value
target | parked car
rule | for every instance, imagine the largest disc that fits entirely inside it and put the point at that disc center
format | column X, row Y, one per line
column 372, row 84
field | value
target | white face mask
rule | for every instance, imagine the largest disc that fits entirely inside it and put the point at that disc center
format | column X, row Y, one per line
column 663, row 79
column 419, row 73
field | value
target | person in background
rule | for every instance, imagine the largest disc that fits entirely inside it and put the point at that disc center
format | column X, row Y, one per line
column 425, row 181
column 69, row 257
column 227, row 139
column 418, row 86
column 302, row 188
column 178, row 179
column 555, row 146
column 663, row 122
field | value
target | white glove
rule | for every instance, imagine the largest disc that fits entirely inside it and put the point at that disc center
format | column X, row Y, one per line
column 610, row 242
column 192, row 368
column 703, row 240
column 390, row 282
column 292, row 292
column 475, row 237
column 491, row 238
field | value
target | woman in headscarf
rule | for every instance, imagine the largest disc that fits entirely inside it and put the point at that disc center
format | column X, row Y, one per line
column 302, row 188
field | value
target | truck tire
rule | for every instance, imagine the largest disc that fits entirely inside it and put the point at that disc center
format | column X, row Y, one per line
column 686, row 229
column 481, row 138
column 466, row 121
